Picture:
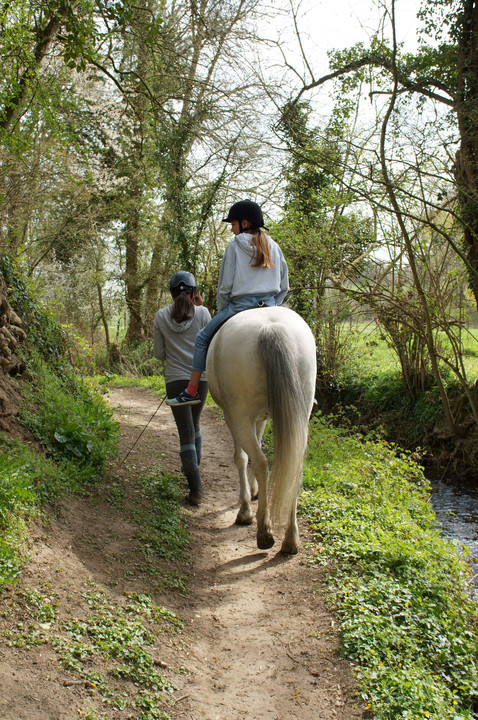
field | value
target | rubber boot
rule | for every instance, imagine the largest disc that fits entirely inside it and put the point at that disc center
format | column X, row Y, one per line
column 195, row 487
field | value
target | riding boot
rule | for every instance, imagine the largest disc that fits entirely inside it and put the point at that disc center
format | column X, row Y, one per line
column 195, row 487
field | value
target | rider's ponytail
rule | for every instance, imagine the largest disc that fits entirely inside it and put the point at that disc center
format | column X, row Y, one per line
column 183, row 307
column 262, row 252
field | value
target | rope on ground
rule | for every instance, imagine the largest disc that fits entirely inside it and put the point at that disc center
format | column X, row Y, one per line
column 142, row 431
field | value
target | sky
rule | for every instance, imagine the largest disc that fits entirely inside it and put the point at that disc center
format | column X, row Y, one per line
column 335, row 24
column 344, row 22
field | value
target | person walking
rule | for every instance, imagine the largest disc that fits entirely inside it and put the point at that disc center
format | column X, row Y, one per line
column 175, row 329
column 253, row 274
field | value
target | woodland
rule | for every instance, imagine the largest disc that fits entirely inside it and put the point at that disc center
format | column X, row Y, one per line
column 127, row 129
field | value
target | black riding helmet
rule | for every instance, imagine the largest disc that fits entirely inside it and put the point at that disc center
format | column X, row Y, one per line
column 246, row 210
column 183, row 282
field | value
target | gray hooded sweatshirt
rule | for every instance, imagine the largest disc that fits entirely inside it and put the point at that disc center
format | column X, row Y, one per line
column 174, row 342
column 238, row 278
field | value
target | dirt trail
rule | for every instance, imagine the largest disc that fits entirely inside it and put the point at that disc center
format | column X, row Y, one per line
column 260, row 642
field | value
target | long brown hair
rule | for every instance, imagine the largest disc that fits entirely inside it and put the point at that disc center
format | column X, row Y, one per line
column 262, row 253
column 184, row 305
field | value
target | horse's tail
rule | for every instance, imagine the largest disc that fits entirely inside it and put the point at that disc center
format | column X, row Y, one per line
column 289, row 411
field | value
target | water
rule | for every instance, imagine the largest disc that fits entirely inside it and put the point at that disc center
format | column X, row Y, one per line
column 456, row 509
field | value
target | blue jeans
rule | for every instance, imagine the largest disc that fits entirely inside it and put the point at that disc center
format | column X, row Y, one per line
column 204, row 336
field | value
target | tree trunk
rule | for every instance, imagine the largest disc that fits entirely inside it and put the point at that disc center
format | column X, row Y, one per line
column 134, row 332
column 104, row 319
column 153, row 286
column 466, row 165
column 137, row 185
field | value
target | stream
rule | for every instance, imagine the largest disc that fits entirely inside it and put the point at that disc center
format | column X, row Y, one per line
column 456, row 509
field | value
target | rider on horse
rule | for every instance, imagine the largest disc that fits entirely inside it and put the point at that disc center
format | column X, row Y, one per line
column 253, row 274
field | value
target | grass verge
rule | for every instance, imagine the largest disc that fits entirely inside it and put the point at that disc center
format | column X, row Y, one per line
column 370, row 390
column 408, row 623
column 150, row 382
column 113, row 649
column 28, row 481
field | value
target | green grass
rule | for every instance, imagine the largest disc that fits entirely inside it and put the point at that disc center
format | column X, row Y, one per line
column 408, row 623
column 370, row 388
column 150, row 382
column 372, row 355
column 370, row 351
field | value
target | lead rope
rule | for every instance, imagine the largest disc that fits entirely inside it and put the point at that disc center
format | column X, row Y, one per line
column 142, row 431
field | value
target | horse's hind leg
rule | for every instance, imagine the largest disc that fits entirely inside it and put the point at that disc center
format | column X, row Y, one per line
column 290, row 543
column 244, row 516
column 245, row 439
column 253, row 484
column 260, row 425
column 260, row 468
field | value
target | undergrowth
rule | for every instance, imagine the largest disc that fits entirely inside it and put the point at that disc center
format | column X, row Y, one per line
column 408, row 622
column 369, row 389
column 69, row 418
column 135, row 359
column 382, row 398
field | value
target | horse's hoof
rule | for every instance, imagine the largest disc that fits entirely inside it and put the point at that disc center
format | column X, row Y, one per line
column 289, row 549
column 244, row 519
column 255, row 496
column 264, row 542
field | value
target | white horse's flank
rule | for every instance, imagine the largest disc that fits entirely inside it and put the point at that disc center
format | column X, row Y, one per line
column 262, row 364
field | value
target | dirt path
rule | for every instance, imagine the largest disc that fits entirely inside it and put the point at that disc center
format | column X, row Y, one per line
column 258, row 642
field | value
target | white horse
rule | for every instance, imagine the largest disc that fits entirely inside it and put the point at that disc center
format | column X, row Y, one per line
column 260, row 364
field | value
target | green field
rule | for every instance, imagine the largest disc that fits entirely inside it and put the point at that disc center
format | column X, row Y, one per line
column 369, row 354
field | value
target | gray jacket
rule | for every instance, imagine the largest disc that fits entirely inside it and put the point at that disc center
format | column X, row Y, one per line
column 238, row 278
column 174, row 342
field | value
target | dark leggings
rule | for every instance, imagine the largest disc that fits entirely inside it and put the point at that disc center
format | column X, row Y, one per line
column 187, row 421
